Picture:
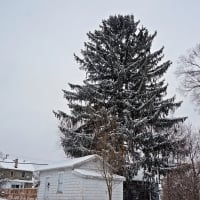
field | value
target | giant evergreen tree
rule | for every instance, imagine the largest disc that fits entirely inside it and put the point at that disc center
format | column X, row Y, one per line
column 121, row 107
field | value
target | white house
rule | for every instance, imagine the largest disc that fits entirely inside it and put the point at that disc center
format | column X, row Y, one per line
column 77, row 179
column 16, row 174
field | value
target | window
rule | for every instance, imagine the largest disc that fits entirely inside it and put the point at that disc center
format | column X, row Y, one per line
column 11, row 173
column 15, row 186
column 60, row 182
column 23, row 174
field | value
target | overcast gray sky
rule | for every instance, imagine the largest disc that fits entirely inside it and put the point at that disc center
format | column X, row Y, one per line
column 37, row 42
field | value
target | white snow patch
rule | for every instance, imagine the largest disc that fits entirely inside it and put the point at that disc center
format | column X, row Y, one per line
column 22, row 165
column 69, row 163
column 94, row 174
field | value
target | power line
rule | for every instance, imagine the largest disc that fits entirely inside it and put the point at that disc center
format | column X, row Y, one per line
column 27, row 157
column 28, row 163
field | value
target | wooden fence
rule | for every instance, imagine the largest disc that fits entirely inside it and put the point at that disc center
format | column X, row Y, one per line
column 19, row 194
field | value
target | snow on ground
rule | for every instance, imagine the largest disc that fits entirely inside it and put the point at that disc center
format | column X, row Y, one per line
column 2, row 199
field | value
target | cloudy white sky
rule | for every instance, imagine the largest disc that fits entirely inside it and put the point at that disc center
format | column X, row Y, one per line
column 37, row 42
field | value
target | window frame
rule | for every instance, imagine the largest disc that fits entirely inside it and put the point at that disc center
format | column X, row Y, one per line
column 11, row 173
column 60, row 182
column 23, row 174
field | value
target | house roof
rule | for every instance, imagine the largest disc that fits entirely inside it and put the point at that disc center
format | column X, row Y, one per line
column 75, row 162
column 94, row 174
column 17, row 181
column 22, row 165
column 69, row 163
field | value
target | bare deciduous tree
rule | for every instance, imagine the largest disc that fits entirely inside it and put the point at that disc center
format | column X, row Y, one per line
column 107, row 173
column 189, row 72
column 109, row 145
column 183, row 182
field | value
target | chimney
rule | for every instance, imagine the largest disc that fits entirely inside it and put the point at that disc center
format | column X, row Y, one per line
column 16, row 163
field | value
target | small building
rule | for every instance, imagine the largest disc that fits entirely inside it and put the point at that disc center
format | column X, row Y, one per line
column 77, row 179
column 16, row 174
column 141, row 189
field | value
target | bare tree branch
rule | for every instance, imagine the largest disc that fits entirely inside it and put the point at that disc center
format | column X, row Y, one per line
column 183, row 182
column 188, row 71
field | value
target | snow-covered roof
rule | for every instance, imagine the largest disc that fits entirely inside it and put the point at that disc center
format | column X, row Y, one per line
column 94, row 174
column 22, row 165
column 139, row 176
column 18, row 181
column 69, row 163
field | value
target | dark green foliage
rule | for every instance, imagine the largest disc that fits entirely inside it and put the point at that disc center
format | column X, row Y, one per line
column 121, row 107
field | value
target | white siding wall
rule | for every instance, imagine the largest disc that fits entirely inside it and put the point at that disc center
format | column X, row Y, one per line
column 78, row 188
column 118, row 191
column 92, row 165
column 94, row 189
column 71, row 186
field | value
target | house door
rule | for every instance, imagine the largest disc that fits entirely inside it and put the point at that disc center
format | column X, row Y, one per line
column 47, row 187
